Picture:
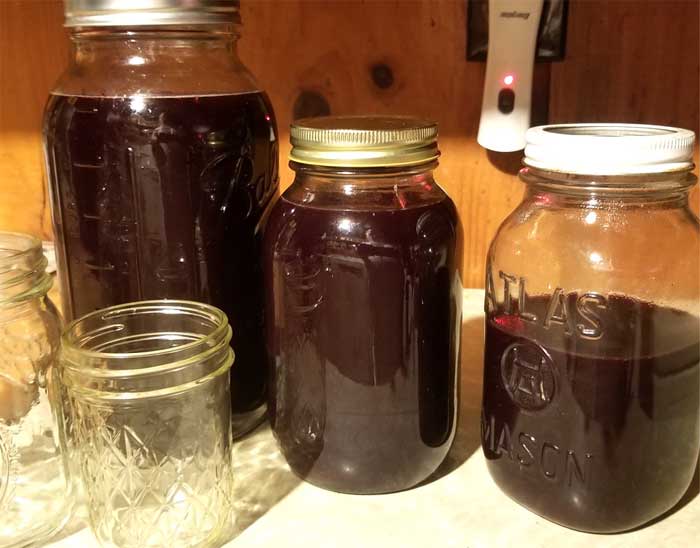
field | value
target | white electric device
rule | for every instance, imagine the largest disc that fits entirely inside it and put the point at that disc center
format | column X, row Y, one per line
column 505, row 108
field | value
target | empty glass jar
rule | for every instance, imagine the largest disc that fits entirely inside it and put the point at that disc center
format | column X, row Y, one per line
column 592, row 358
column 149, row 401
column 36, row 495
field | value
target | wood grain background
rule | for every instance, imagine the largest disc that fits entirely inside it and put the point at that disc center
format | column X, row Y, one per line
column 631, row 61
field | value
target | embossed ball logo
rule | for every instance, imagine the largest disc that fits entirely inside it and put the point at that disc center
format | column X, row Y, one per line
column 527, row 372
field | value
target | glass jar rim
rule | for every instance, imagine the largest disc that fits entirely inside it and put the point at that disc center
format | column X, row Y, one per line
column 202, row 31
column 678, row 181
column 22, row 268
column 74, row 349
column 201, row 352
column 28, row 243
column 364, row 172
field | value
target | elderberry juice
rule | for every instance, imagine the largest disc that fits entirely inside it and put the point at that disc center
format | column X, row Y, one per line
column 164, row 197
column 590, row 412
column 364, row 307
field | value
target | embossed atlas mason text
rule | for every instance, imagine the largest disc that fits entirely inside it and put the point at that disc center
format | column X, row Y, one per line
column 584, row 321
column 553, row 462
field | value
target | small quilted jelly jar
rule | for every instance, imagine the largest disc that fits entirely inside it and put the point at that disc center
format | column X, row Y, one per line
column 150, row 413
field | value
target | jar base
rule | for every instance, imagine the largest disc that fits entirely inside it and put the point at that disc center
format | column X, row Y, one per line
column 337, row 482
column 44, row 534
column 588, row 525
column 361, row 492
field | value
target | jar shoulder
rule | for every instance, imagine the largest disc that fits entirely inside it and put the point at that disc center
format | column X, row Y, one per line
column 166, row 77
column 647, row 252
column 297, row 225
column 336, row 193
column 533, row 223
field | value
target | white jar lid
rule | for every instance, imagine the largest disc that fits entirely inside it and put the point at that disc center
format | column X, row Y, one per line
column 609, row 149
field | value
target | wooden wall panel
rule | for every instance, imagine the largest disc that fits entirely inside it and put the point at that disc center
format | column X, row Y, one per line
column 33, row 52
column 630, row 62
column 626, row 61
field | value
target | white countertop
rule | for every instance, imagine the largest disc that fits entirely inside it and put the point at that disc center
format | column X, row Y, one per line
column 459, row 506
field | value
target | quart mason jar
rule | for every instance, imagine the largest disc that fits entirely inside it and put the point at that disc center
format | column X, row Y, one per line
column 364, row 299
column 161, row 153
column 36, row 494
column 148, row 396
column 591, row 400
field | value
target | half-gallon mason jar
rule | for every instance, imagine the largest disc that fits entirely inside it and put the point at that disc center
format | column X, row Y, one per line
column 36, row 494
column 161, row 152
column 592, row 359
column 364, row 304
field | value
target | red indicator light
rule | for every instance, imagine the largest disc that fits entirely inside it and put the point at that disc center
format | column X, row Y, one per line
column 508, row 79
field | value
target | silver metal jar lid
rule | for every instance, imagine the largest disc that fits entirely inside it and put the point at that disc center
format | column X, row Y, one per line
column 129, row 13
column 609, row 149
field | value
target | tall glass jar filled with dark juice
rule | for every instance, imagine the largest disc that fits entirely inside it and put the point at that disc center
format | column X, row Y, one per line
column 363, row 297
column 592, row 358
column 161, row 151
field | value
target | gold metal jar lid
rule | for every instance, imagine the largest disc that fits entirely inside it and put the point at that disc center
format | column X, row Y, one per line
column 363, row 141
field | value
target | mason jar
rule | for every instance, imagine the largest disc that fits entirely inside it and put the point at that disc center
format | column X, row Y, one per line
column 148, row 397
column 36, row 493
column 361, row 260
column 591, row 400
column 161, row 153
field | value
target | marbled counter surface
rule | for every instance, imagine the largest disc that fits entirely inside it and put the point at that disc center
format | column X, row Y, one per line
column 459, row 506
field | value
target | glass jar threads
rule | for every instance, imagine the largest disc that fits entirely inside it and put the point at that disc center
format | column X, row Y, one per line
column 364, row 304
column 36, row 494
column 592, row 358
column 149, row 401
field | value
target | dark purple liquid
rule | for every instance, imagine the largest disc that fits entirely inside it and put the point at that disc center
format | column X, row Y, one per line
column 164, row 198
column 598, row 434
column 364, row 311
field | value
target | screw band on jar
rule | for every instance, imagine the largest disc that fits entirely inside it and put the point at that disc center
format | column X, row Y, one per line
column 609, row 149
column 363, row 141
